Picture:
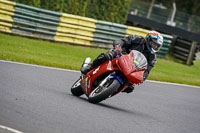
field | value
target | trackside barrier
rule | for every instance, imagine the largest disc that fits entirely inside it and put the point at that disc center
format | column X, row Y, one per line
column 166, row 45
column 183, row 50
column 35, row 22
column 134, row 30
column 75, row 29
column 107, row 32
column 6, row 12
column 61, row 27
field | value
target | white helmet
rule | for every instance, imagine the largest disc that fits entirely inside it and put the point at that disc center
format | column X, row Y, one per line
column 154, row 41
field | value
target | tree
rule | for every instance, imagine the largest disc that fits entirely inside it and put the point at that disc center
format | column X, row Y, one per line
column 107, row 10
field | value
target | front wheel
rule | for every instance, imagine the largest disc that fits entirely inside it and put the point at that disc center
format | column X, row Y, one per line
column 76, row 89
column 102, row 92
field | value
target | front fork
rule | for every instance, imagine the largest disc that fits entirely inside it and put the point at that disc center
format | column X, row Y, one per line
column 111, row 76
column 114, row 76
column 123, row 83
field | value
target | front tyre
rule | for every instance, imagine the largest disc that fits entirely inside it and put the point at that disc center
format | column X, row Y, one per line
column 101, row 93
column 76, row 89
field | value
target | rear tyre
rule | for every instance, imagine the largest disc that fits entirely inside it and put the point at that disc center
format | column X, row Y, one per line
column 101, row 93
column 76, row 89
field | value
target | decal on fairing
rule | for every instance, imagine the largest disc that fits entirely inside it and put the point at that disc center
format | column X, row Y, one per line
column 96, row 70
column 109, row 67
column 88, row 85
column 135, row 61
column 85, row 84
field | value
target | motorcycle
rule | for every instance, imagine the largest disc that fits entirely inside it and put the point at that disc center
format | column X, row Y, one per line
column 111, row 77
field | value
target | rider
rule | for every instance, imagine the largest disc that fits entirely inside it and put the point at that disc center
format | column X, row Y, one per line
column 148, row 46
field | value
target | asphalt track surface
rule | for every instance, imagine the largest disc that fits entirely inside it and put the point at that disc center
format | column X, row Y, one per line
column 38, row 100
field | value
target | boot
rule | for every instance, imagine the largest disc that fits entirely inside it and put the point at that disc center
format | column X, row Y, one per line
column 129, row 89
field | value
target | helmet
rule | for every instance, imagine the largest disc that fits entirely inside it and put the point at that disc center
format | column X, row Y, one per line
column 154, row 41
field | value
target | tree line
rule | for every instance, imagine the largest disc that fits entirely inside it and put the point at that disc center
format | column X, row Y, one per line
column 109, row 10
column 106, row 10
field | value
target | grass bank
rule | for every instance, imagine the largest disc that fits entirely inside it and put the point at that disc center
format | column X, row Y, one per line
column 46, row 53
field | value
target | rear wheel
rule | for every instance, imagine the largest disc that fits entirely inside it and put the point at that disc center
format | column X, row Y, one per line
column 76, row 89
column 101, row 93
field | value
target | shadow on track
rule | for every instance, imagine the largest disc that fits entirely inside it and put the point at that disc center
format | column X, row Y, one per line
column 106, row 106
column 115, row 108
column 111, row 107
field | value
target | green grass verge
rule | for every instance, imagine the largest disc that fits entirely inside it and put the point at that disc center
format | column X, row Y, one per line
column 46, row 53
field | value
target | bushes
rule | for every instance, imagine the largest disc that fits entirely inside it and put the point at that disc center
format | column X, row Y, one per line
column 107, row 10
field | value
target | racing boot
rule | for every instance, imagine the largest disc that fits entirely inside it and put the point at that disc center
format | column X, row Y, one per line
column 129, row 89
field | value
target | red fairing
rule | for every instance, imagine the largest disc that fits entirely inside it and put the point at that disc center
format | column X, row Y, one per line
column 128, row 68
column 136, row 77
column 93, row 74
column 126, row 64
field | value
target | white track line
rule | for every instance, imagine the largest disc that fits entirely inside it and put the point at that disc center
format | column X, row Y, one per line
column 60, row 69
column 10, row 129
column 168, row 83
column 32, row 65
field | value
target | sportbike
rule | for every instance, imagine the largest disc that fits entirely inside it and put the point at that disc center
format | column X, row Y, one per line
column 111, row 77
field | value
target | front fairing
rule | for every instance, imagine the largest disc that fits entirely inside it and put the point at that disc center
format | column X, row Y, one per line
column 133, row 66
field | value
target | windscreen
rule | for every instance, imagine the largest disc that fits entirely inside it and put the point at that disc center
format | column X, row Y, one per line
column 140, row 60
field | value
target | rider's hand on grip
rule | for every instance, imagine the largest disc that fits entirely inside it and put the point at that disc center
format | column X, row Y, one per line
column 117, row 49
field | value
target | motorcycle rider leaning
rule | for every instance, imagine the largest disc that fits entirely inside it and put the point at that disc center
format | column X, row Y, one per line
column 148, row 46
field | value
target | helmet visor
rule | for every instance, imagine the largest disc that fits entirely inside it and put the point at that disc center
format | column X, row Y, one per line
column 155, row 46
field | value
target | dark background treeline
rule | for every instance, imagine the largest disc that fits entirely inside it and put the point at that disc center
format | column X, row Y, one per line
column 107, row 10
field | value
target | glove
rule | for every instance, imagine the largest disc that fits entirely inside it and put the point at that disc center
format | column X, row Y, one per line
column 117, row 49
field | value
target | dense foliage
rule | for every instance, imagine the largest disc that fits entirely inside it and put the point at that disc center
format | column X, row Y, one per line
column 187, row 15
column 107, row 10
